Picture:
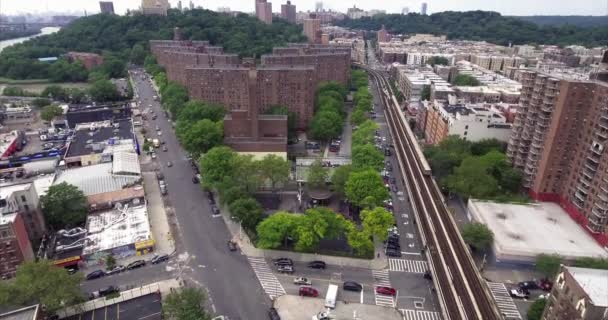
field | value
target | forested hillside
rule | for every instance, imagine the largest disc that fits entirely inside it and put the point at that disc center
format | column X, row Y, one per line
column 579, row 21
column 117, row 35
column 482, row 25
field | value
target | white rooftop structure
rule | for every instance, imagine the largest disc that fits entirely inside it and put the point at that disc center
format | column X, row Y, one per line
column 126, row 163
column 96, row 179
column 116, row 228
column 521, row 232
column 42, row 183
column 594, row 282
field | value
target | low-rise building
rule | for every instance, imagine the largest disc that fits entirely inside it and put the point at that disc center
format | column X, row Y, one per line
column 24, row 198
column 578, row 294
column 34, row 312
column 88, row 59
column 10, row 143
column 77, row 114
column 11, row 114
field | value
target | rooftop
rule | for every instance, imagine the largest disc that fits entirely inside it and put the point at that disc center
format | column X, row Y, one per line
column 93, row 137
column 27, row 313
column 117, row 227
column 521, row 232
column 594, row 282
column 96, row 179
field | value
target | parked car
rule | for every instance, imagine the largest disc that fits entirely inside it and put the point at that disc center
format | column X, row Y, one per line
column 232, row 245
column 393, row 246
column 352, row 286
column 95, row 275
column 388, row 291
column 285, row 269
column 136, row 264
column 159, row 175
column 428, row 275
column 159, row 259
column 283, row 262
column 72, row 270
column 393, row 253
column 545, row 284
column 273, row 314
column 317, row 264
column 115, row 270
column 528, row 285
column 302, row 281
column 519, row 293
column 103, row 292
column 165, row 149
column 195, row 180
column 308, row 292
column 169, row 164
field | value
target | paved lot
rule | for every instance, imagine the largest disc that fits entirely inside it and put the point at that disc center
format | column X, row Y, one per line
column 146, row 307
column 302, row 308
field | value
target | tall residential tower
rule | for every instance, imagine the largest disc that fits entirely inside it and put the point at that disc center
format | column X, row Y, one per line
column 263, row 10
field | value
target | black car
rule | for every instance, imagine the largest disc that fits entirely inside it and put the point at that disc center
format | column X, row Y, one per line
column 215, row 210
column 273, row 314
column 528, row 285
column 136, row 264
column 317, row 264
column 95, row 275
column 393, row 253
column 159, row 259
column 393, row 246
column 283, row 262
column 352, row 286
column 103, row 292
column 231, row 245
column 428, row 275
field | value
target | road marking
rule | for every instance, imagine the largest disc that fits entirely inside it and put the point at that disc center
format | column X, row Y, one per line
column 409, row 314
column 503, row 300
column 361, row 299
column 382, row 279
column 404, row 265
column 268, row 280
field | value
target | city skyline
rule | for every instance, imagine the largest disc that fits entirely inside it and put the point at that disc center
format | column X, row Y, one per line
column 541, row 7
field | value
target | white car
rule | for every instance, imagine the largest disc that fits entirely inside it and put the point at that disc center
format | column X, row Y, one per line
column 518, row 293
column 302, row 281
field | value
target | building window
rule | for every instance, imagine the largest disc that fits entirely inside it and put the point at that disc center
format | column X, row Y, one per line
column 23, row 199
column 26, row 207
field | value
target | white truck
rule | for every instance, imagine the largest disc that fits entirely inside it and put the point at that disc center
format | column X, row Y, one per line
column 330, row 298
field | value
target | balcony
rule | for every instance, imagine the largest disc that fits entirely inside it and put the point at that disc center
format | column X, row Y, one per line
column 580, row 195
column 594, row 158
column 544, row 116
column 582, row 189
column 602, row 134
column 603, row 196
column 603, row 124
column 588, row 174
column 602, row 206
column 594, row 225
column 591, row 168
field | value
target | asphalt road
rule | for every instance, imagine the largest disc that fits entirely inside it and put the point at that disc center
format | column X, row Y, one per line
column 232, row 286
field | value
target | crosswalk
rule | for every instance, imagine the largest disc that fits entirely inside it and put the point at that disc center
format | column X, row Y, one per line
column 410, row 314
column 267, row 279
column 382, row 279
column 504, row 301
column 404, row 265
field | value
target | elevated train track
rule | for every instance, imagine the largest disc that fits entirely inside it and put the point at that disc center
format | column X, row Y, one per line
column 462, row 292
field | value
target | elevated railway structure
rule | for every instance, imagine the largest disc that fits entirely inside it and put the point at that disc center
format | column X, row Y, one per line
column 463, row 294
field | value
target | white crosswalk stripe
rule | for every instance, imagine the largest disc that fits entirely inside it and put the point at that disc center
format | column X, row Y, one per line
column 267, row 279
column 410, row 314
column 404, row 265
column 504, row 301
column 382, row 279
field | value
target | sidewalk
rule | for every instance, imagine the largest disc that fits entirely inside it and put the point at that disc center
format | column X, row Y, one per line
column 248, row 249
column 161, row 232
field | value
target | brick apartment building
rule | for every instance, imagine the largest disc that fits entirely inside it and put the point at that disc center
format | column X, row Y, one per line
column 559, row 139
column 288, row 12
column 89, row 60
column 578, row 294
column 263, row 10
column 312, row 29
column 288, row 76
column 15, row 245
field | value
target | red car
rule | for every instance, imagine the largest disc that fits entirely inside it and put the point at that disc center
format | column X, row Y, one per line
column 308, row 292
column 388, row 291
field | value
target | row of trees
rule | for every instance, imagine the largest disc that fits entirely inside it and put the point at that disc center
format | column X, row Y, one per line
column 126, row 38
column 328, row 121
column 101, row 90
column 549, row 264
column 482, row 26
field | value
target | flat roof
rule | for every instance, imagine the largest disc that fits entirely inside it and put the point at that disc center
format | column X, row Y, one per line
column 96, row 179
column 117, row 227
column 594, row 282
column 6, row 139
column 27, row 313
column 521, row 232
column 89, row 141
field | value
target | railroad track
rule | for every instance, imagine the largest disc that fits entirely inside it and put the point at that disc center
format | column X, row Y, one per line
column 462, row 292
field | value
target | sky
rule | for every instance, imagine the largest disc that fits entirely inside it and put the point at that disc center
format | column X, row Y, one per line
column 505, row 7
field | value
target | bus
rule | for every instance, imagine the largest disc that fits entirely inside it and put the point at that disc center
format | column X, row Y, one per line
column 330, row 298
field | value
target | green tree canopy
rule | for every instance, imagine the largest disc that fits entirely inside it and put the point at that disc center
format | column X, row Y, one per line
column 536, row 309
column 202, row 136
column 104, row 90
column 217, row 164
column 365, row 133
column 361, row 242
column 425, row 94
column 41, row 282
column 358, row 117
column 41, row 102
column 364, row 184
column 548, row 264
column 64, row 71
column 49, row 112
column 477, row 235
column 377, row 221
column 64, row 205
column 367, row 156
column 593, row 263
column 193, row 111
column 247, row 211
column 358, row 78
column 138, row 54
column 173, row 95
column 273, row 231
column 275, row 169
column 326, row 125
column 434, row 60
column 186, row 304
column 317, row 175
column 465, row 80
column 339, row 178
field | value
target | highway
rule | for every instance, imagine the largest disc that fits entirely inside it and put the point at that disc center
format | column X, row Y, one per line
column 461, row 290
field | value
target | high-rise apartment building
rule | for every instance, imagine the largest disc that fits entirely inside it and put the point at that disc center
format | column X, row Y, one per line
column 16, row 247
column 383, row 35
column 155, row 7
column 288, row 12
column 106, row 7
column 263, row 10
column 559, row 139
column 312, row 29
column 578, row 294
column 423, row 8
column 319, row 6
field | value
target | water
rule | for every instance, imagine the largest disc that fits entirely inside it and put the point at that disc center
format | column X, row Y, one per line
column 44, row 31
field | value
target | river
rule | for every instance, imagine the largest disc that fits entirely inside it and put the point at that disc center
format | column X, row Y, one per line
column 44, row 31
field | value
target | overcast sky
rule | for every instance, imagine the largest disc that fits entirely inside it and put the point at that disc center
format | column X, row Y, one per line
column 506, row 7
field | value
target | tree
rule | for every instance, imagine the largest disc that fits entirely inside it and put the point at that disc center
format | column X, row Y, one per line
column 358, row 117
column 54, row 92
column 248, row 212
column 217, row 164
column 186, row 304
column 273, row 231
column 173, row 95
column 64, row 205
column 202, row 136
column 548, row 264
column 477, row 235
column 361, row 242
column 41, row 282
column 246, row 173
column 471, row 179
column 536, row 309
column 326, row 125
column 332, row 86
column 104, row 90
column 275, row 169
column 484, row 146
column 48, row 113
column 113, row 67
column 138, row 54
column 110, row 262
column 425, row 94
column 434, row 60
column 365, row 133
column 317, row 224
column 364, row 184
column 367, row 156
column 229, row 192
column 593, row 263
column 193, row 111
column 317, row 175
column 339, row 178
column 465, row 80
column 377, row 221
column 41, row 102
